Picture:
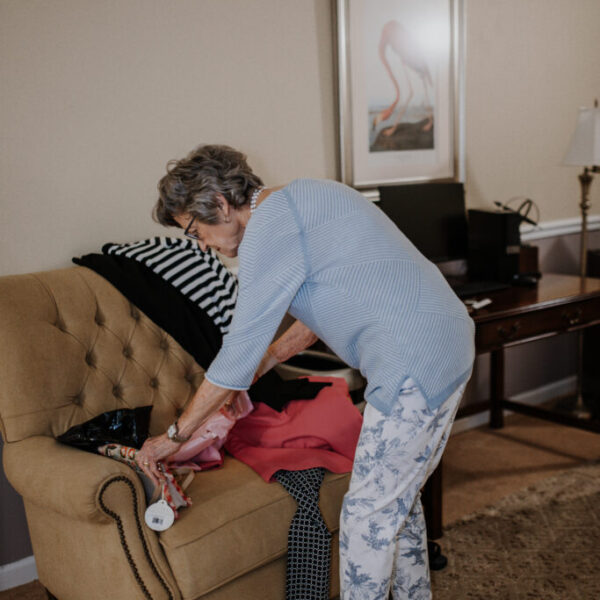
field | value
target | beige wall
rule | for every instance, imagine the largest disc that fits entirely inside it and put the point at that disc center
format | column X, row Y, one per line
column 530, row 65
column 98, row 94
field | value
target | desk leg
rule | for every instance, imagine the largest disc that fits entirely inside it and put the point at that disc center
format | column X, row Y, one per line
column 431, row 496
column 496, row 388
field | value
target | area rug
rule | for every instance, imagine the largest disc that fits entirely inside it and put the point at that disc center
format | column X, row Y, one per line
column 542, row 543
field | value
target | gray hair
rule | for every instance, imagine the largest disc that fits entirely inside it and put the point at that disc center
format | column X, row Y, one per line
column 192, row 183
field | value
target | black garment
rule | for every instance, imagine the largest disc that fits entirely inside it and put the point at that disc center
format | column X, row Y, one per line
column 309, row 540
column 276, row 393
column 199, row 276
column 158, row 300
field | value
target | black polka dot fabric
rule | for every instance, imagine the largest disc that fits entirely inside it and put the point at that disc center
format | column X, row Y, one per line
column 309, row 540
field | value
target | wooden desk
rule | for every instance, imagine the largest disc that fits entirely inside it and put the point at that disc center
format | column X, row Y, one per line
column 558, row 304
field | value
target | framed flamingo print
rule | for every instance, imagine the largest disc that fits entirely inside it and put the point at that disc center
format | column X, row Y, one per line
column 400, row 73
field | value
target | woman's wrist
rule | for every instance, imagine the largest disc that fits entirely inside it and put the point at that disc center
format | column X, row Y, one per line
column 208, row 399
column 269, row 360
column 297, row 338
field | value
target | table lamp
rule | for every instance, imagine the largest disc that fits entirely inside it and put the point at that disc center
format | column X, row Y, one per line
column 584, row 151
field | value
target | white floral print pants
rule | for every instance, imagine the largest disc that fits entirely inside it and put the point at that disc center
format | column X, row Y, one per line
column 383, row 539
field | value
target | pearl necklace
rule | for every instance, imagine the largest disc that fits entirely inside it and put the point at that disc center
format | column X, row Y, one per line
column 254, row 198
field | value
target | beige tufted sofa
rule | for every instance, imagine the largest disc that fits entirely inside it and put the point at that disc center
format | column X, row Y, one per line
column 71, row 348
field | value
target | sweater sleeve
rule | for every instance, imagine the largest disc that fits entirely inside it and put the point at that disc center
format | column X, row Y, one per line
column 272, row 267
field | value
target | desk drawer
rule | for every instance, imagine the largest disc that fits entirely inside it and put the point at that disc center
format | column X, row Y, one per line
column 491, row 335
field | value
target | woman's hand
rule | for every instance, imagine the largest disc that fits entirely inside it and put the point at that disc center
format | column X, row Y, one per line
column 235, row 406
column 208, row 399
column 152, row 452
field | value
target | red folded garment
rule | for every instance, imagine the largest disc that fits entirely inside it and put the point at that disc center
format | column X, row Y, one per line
column 322, row 432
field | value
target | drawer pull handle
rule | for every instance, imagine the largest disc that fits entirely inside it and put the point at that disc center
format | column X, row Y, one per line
column 509, row 334
column 573, row 318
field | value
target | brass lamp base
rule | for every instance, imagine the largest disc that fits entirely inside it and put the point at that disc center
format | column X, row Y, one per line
column 574, row 406
column 585, row 179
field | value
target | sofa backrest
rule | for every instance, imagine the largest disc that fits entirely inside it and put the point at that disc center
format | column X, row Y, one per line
column 73, row 347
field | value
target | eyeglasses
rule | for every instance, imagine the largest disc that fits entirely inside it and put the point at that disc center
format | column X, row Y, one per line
column 191, row 234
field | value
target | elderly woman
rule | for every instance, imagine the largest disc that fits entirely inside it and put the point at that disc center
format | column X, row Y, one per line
column 322, row 252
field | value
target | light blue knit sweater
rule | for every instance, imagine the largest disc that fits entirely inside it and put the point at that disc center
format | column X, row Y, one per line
column 334, row 260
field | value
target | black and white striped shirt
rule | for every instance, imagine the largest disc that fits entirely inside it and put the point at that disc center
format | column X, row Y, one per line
column 198, row 275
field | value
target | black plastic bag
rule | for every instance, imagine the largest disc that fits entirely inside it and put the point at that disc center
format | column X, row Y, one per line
column 125, row 426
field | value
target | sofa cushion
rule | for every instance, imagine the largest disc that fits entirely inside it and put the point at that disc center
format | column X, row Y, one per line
column 237, row 524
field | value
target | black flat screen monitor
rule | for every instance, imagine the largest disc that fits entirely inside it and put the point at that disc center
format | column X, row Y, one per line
column 431, row 215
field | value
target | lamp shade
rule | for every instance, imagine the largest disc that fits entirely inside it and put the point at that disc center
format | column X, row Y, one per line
column 585, row 143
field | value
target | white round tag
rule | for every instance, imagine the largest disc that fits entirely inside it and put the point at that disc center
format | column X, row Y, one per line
column 159, row 516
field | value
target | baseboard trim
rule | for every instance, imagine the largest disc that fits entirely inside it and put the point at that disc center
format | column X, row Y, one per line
column 17, row 573
column 532, row 397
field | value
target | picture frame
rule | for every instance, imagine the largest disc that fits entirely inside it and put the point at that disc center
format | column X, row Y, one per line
column 400, row 84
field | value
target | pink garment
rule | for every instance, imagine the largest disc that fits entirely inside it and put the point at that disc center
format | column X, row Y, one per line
column 322, row 432
column 203, row 450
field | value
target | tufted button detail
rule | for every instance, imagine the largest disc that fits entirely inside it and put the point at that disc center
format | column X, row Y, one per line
column 164, row 345
column 98, row 317
column 77, row 400
column 135, row 315
column 89, row 359
column 127, row 352
column 59, row 324
column 154, row 382
column 117, row 392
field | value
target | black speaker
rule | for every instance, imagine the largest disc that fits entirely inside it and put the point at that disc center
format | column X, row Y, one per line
column 494, row 245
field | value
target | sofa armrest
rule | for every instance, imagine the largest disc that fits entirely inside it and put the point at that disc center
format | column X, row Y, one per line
column 97, row 491
column 64, row 479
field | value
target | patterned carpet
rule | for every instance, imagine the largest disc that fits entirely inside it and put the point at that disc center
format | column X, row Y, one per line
column 542, row 543
column 538, row 544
